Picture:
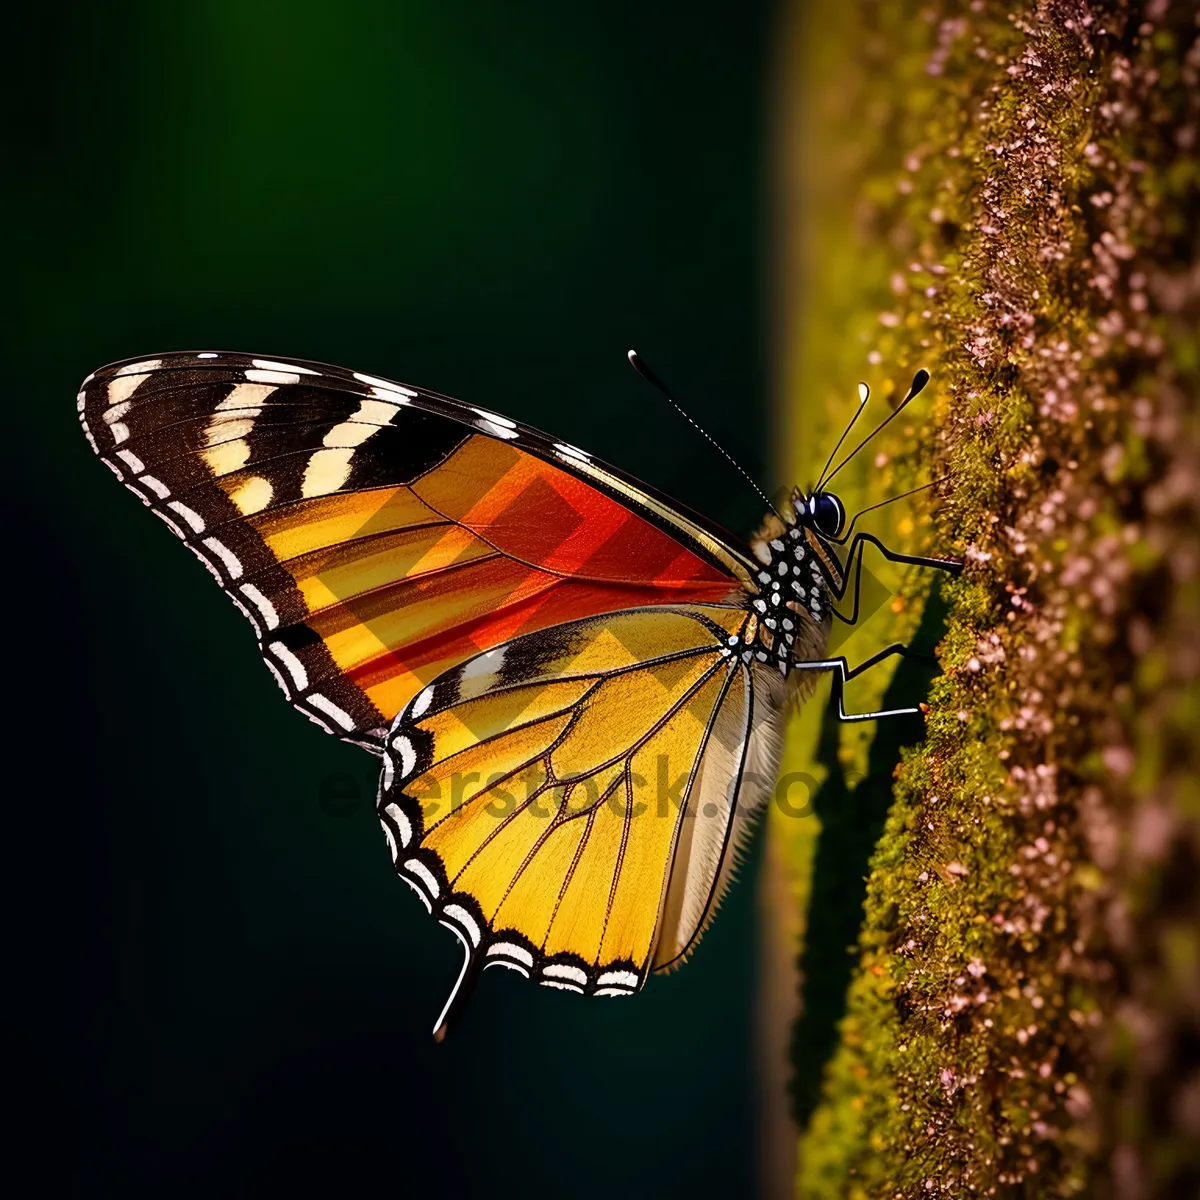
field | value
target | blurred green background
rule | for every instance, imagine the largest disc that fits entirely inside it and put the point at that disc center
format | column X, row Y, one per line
column 492, row 201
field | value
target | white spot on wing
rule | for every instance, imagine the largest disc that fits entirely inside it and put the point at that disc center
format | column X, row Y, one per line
column 192, row 517
column 390, row 397
column 295, row 668
column 570, row 451
column 500, row 962
column 367, row 419
column 327, row 706
column 321, row 724
column 264, row 606
column 423, row 699
column 386, row 385
column 274, row 377
column 464, row 918
column 400, row 817
column 329, row 468
column 245, row 398
column 423, row 873
column 327, row 471
column 628, row 978
column 564, row 971
column 132, row 461
column 554, row 983
column 408, row 756
column 230, row 425
column 230, row 560
column 129, row 378
column 253, row 495
column 495, row 418
column 113, row 417
column 228, row 456
column 490, row 427
column 266, row 364
column 156, row 485
column 225, row 429
column 513, row 951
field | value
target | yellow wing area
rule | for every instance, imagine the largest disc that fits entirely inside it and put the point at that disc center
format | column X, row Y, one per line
column 534, row 796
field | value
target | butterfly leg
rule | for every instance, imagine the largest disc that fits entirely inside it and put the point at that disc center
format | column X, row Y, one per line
column 854, row 563
column 843, row 672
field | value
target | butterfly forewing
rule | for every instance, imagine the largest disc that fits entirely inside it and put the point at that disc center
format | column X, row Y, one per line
column 377, row 535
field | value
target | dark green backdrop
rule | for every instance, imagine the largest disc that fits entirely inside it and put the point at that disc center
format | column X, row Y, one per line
column 493, row 201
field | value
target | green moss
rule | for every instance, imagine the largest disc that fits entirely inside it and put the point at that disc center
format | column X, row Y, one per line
column 1003, row 197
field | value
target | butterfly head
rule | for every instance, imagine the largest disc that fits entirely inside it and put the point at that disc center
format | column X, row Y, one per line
column 821, row 512
column 818, row 523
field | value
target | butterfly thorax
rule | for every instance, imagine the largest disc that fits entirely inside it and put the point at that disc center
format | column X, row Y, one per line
column 790, row 615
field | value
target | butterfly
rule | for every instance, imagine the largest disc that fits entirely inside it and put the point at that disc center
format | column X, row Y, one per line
column 576, row 686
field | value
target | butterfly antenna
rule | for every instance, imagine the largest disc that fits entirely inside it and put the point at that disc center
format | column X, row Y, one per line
column 920, row 379
column 649, row 376
column 864, row 394
column 890, row 500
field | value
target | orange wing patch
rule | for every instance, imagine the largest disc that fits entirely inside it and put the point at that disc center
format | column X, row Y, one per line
column 406, row 593
column 402, row 583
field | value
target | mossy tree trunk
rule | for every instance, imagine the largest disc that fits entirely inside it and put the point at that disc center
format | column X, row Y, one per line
column 1007, row 195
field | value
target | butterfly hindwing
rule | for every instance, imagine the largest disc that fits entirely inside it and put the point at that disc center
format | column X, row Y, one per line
column 569, row 802
column 377, row 535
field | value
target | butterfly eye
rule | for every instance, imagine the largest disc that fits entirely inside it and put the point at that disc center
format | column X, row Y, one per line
column 828, row 515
